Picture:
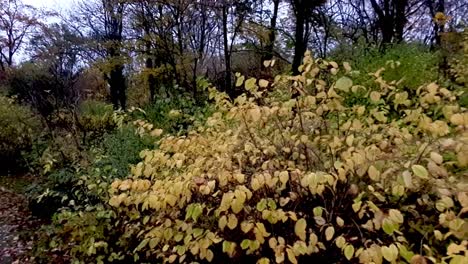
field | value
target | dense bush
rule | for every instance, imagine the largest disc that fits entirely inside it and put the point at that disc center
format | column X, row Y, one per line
column 19, row 128
column 293, row 180
column 38, row 85
column 122, row 149
column 175, row 114
column 410, row 64
column 96, row 118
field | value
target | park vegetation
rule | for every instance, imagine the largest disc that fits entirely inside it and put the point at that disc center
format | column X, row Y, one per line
column 239, row 131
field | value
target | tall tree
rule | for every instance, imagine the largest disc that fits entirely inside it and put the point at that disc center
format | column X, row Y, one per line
column 437, row 8
column 104, row 22
column 17, row 22
column 391, row 19
column 302, row 10
column 233, row 16
column 272, row 32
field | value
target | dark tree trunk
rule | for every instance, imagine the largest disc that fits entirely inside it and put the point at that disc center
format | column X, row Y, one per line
column 118, row 87
column 400, row 19
column 300, row 43
column 268, row 54
column 438, row 28
column 151, row 78
column 227, row 53
column 117, row 81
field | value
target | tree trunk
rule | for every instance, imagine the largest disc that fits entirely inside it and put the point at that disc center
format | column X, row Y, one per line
column 268, row 54
column 439, row 28
column 118, row 87
column 117, row 81
column 400, row 19
column 227, row 53
column 151, row 79
column 300, row 45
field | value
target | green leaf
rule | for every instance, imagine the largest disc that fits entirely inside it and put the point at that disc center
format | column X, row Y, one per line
column 318, row 211
column 262, row 205
column 245, row 244
column 420, row 171
column 349, row 252
column 197, row 211
column 388, row 226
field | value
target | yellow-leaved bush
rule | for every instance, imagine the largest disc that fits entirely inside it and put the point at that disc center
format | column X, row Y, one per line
column 275, row 178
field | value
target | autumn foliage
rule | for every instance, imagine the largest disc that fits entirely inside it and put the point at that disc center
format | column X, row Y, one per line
column 275, row 179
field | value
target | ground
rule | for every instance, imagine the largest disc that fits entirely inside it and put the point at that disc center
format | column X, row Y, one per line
column 16, row 223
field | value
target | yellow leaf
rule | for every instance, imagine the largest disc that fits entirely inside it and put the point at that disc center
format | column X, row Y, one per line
column 255, row 114
column 240, row 81
column 374, row 174
column 375, row 96
column 171, row 199
column 437, row 158
column 340, row 242
column 291, row 256
column 263, row 261
column 458, row 259
column 172, row 258
column 246, row 227
column 232, row 221
column 340, row 221
column 347, row 66
column 350, row 140
column 329, row 232
column 240, row 178
column 462, row 157
column 344, row 84
column 463, row 199
column 408, row 179
column 237, row 205
column 284, row 177
column 300, row 229
column 156, row 132
column 396, row 216
column 459, row 119
column 209, row 255
column 222, row 222
column 263, row 83
column 251, row 84
column 390, row 253
column 229, row 248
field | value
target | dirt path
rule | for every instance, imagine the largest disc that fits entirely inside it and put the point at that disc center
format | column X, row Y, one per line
column 16, row 223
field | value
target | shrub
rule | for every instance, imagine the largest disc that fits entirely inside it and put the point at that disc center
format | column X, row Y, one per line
column 413, row 64
column 96, row 118
column 122, row 148
column 295, row 180
column 175, row 114
column 19, row 128
column 35, row 84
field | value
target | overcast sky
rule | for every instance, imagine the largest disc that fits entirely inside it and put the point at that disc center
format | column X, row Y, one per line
column 56, row 5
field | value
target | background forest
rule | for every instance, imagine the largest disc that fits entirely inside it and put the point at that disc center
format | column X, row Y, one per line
column 231, row 131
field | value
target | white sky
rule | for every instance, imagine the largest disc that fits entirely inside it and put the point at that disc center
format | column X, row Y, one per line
column 55, row 5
